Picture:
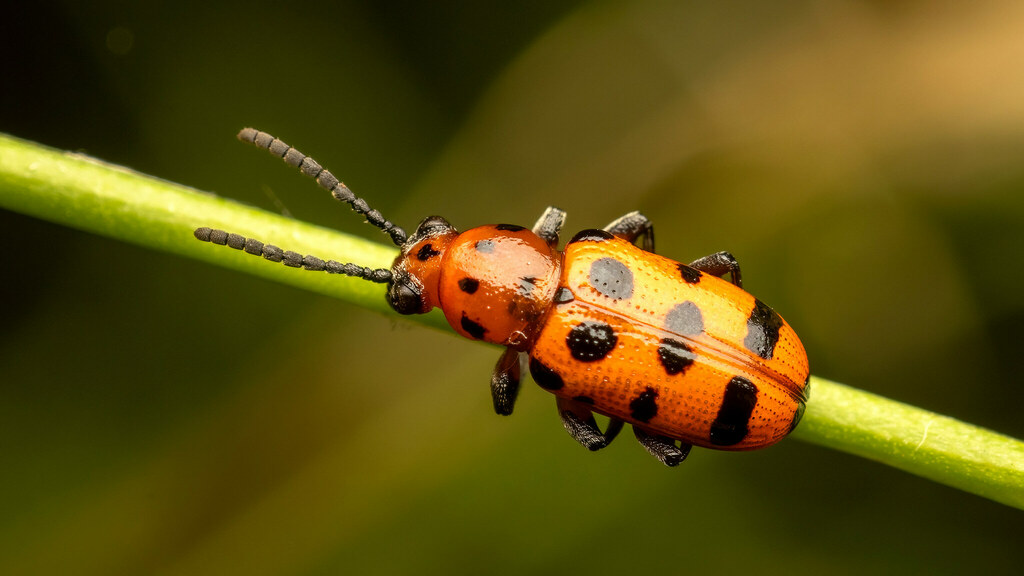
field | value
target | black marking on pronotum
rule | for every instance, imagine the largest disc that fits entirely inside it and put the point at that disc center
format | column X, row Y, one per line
column 731, row 424
column 689, row 275
column 545, row 377
column 509, row 227
column 592, row 235
column 472, row 328
column 289, row 258
column 324, row 178
column 611, row 278
column 762, row 330
column 484, row 246
column 685, row 319
column 584, row 399
column 645, row 405
column 591, row 341
column 675, row 356
column 469, row 285
column 564, row 295
column 426, row 253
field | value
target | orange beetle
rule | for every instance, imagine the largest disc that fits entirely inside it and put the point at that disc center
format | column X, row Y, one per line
column 684, row 356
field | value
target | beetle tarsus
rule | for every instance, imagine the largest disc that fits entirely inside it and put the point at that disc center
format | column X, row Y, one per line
column 719, row 264
column 505, row 381
column 634, row 227
column 662, row 447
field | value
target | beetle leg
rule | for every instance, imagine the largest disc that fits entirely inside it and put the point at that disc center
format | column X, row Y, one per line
column 634, row 226
column 580, row 424
column 718, row 264
column 505, row 381
column 662, row 447
column 549, row 224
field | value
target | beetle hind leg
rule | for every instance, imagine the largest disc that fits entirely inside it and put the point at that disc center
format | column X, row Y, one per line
column 719, row 264
column 580, row 424
column 634, row 227
column 662, row 447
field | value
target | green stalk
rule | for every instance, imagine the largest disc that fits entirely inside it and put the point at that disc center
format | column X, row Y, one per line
column 86, row 194
column 931, row 445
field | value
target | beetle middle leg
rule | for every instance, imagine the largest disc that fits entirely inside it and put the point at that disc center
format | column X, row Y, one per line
column 580, row 424
column 634, row 227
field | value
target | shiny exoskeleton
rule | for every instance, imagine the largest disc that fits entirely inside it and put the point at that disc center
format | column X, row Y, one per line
column 682, row 355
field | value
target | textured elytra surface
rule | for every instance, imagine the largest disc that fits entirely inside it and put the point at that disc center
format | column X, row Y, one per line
column 684, row 359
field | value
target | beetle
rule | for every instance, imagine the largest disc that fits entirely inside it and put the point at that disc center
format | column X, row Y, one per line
column 605, row 324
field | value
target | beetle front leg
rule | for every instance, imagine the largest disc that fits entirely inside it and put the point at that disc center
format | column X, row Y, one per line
column 634, row 226
column 662, row 447
column 580, row 424
column 719, row 264
column 505, row 381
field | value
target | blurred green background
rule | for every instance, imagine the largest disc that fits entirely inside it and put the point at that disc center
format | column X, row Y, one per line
column 863, row 160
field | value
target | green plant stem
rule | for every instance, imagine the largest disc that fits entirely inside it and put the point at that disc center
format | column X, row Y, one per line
column 936, row 447
column 86, row 194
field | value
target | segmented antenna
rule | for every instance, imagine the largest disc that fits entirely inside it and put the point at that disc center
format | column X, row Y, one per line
column 289, row 258
column 324, row 178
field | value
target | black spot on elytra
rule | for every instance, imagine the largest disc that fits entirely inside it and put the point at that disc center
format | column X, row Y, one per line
column 762, row 330
column 645, row 405
column 685, row 319
column 472, row 328
column 426, row 253
column 469, row 285
column 592, row 235
column 730, row 426
column 484, row 246
column 584, row 399
column 564, row 296
column 509, row 227
column 527, row 284
column 675, row 356
column 591, row 341
column 611, row 278
column 545, row 377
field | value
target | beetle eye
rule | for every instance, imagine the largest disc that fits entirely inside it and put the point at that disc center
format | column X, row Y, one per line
column 431, row 226
column 405, row 297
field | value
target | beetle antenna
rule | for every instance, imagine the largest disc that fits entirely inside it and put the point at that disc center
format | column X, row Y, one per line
column 324, row 178
column 289, row 258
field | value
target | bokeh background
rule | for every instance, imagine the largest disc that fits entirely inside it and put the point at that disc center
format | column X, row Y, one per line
column 863, row 160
